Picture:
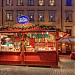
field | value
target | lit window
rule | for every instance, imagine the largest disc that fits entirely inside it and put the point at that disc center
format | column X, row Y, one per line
column 41, row 2
column 31, row 15
column 52, row 2
column 9, row 15
column 9, row 2
column 52, row 16
column 30, row 2
column 41, row 15
column 19, row 2
column 20, row 13
column 68, row 16
column 68, row 2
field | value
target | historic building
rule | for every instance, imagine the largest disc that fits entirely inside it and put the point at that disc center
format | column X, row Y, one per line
column 56, row 13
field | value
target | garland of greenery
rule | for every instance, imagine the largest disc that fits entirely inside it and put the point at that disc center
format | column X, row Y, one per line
column 17, row 27
column 28, row 27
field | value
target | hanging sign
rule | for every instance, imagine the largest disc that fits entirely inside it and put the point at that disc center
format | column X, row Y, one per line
column 22, row 19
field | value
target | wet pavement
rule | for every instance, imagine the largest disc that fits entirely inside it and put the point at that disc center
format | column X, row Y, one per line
column 65, row 67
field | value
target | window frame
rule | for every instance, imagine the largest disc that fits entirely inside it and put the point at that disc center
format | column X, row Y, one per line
column 40, row 13
column 41, row 2
column 30, row 3
column 21, row 12
column 68, row 3
column 69, row 30
column 20, row 3
column 9, row 2
column 52, row 13
column 70, row 17
column 50, row 4
column 10, row 13
column 31, row 13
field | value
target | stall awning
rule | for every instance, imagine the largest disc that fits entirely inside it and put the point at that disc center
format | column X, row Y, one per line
column 64, row 40
column 72, row 39
column 69, row 39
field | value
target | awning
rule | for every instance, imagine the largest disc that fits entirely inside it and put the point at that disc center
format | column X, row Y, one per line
column 69, row 39
column 64, row 40
column 72, row 39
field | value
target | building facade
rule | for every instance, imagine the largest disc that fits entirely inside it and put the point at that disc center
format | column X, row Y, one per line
column 44, row 12
column 56, row 13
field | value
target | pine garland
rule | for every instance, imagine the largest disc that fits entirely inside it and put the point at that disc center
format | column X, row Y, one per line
column 28, row 27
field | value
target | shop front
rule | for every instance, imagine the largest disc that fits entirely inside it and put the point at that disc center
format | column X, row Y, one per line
column 29, row 45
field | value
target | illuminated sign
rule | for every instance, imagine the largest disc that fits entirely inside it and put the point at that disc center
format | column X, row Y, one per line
column 22, row 19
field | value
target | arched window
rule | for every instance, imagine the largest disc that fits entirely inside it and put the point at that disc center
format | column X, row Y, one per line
column 68, row 2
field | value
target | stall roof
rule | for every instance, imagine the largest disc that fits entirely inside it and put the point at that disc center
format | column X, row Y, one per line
column 29, row 27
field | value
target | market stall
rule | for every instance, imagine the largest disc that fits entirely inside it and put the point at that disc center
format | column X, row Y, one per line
column 29, row 44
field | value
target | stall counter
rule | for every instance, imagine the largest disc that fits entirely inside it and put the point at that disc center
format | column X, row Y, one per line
column 37, row 58
column 41, row 58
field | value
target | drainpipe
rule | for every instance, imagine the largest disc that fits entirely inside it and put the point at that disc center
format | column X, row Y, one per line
column 2, row 12
column 61, row 16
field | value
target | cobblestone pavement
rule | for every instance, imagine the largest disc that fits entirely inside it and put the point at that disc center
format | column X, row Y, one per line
column 66, row 67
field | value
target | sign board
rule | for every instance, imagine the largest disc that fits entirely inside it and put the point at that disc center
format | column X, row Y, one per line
column 22, row 19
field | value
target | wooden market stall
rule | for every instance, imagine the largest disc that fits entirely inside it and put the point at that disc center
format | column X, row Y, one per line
column 32, row 45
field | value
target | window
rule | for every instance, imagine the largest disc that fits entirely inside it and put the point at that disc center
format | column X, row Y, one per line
column 9, row 15
column 52, row 15
column 20, row 13
column 41, row 15
column 69, row 30
column 20, row 2
column 51, row 2
column 41, row 2
column 69, row 16
column 31, row 15
column 30, row 2
column 9, row 2
column 68, row 2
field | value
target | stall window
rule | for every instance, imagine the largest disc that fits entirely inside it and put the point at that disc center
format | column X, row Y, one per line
column 40, row 42
column 68, row 2
column 68, row 15
column 31, row 15
column 20, row 13
column 10, row 42
column 41, row 15
column 9, row 2
column 9, row 15
column 30, row 2
column 52, row 14
column 40, row 2
column 51, row 2
column 20, row 2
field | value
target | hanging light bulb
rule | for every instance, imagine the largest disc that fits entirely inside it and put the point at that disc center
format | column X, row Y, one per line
column 47, row 32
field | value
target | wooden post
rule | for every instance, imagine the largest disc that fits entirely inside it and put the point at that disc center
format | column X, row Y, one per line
column 22, row 52
column 0, row 41
column 57, row 36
